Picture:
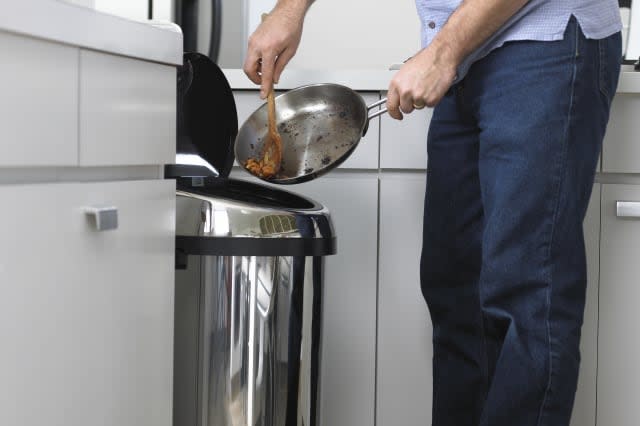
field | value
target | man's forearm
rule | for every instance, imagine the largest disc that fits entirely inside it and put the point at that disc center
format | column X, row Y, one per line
column 297, row 8
column 472, row 24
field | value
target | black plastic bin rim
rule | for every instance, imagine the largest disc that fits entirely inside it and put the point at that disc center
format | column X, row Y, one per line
column 247, row 246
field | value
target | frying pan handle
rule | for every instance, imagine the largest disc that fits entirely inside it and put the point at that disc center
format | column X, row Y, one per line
column 379, row 112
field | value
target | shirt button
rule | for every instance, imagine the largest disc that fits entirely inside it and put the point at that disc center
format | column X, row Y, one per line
column 432, row 24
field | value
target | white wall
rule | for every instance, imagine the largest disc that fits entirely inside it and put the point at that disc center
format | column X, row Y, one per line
column 134, row 9
column 338, row 34
column 352, row 34
column 163, row 10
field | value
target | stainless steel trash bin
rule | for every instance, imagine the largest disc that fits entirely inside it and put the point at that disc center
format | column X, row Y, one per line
column 248, row 304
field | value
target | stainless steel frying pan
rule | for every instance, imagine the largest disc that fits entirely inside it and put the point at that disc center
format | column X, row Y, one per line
column 320, row 125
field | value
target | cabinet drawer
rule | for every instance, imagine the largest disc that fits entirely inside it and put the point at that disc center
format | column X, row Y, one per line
column 403, row 144
column 621, row 149
column 39, row 103
column 364, row 157
column 127, row 111
column 618, row 348
column 86, row 317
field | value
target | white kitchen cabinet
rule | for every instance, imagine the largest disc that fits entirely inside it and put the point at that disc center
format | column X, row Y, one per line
column 403, row 144
column 621, row 150
column 86, row 317
column 584, row 410
column 349, row 322
column 365, row 156
column 405, row 349
column 618, row 345
column 349, row 317
column 127, row 111
column 39, row 86
column 247, row 101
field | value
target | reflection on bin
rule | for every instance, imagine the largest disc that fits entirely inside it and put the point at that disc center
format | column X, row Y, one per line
column 249, row 284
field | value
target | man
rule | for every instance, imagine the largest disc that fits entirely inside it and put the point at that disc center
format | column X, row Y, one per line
column 522, row 93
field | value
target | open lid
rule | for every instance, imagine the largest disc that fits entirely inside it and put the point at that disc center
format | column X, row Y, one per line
column 207, row 120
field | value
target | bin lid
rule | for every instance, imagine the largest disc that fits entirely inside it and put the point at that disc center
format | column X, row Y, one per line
column 222, row 216
column 207, row 120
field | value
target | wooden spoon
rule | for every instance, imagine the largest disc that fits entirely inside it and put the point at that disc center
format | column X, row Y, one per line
column 272, row 151
column 269, row 164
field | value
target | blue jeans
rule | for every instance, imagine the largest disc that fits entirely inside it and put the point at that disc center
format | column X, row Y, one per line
column 512, row 152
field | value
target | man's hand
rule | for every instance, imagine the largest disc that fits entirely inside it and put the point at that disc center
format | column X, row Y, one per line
column 274, row 43
column 427, row 76
column 422, row 81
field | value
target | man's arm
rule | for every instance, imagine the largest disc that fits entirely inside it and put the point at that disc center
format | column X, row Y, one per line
column 274, row 42
column 427, row 76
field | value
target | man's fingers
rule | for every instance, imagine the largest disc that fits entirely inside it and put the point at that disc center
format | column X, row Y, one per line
column 393, row 103
column 251, row 66
column 282, row 60
column 268, row 65
column 406, row 103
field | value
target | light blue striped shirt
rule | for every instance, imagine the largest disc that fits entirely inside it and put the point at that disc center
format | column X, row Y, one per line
column 543, row 20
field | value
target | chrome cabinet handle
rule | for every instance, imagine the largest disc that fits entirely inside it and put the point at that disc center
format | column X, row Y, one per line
column 628, row 209
column 103, row 218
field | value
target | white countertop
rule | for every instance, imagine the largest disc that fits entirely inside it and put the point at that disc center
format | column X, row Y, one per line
column 373, row 80
column 62, row 22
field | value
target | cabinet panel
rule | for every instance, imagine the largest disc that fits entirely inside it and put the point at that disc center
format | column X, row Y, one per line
column 404, row 327
column 127, row 111
column 618, row 346
column 365, row 155
column 349, row 337
column 39, row 104
column 584, row 410
column 349, row 315
column 621, row 150
column 403, row 144
column 86, row 317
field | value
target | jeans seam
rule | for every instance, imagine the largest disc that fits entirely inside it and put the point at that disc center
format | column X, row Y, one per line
column 602, row 71
column 562, row 165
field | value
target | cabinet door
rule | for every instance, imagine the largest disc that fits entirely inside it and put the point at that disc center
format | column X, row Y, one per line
column 349, row 336
column 349, row 314
column 365, row 156
column 86, row 317
column 584, row 410
column 404, row 327
column 39, row 102
column 403, row 144
column 127, row 111
column 618, row 345
column 620, row 150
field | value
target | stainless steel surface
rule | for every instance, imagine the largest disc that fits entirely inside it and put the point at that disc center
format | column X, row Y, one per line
column 247, row 328
column 257, row 328
column 103, row 218
column 320, row 125
column 202, row 215
column 379, row 112
column 628, row 209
